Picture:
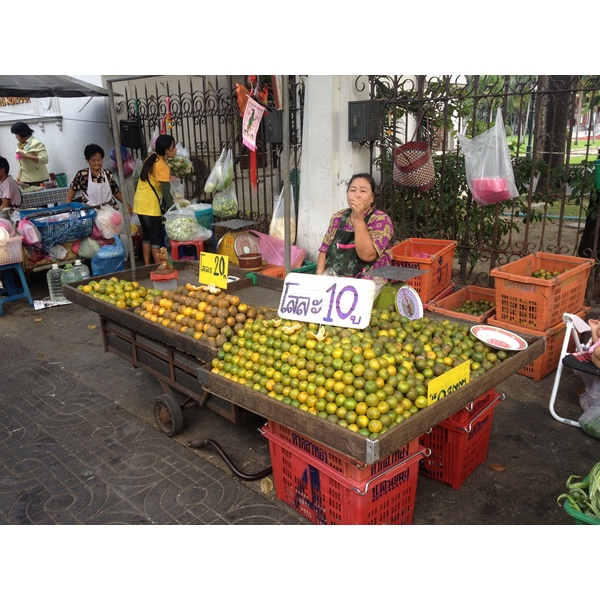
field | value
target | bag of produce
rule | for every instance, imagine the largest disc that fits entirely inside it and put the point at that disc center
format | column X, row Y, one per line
column 87, row 248
column 181, row 224
column 225, row 204
column 227, row 178
column 109, row 221
column 590, row 421
column 180, row 165
column 277, row 226
column 216, row 175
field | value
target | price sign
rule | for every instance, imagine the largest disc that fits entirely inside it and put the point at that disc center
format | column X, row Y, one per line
column 447, row 382
column 339, row 301
column 213, row 269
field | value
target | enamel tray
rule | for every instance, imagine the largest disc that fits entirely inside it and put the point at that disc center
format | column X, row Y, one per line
column 409, row 303
column 498, row 338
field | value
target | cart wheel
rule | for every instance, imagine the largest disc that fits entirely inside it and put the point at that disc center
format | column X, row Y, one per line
column 168, row 415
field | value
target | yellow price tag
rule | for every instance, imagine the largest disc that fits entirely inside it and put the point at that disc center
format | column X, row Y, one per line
column 447, row 382
column 213, row 269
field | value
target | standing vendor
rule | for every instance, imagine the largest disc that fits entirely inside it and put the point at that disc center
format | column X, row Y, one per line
column 97, row 183
column 10, row 197
column 31, row 155
column 359, row 237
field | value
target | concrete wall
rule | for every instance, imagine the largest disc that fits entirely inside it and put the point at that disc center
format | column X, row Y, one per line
column 328, row 158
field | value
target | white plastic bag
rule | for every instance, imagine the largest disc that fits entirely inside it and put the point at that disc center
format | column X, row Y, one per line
column 180, row 165
column 152, row 144
column 488, row 167
column 109, row 221
column 181, row 224
column 277, row 226
column 227, row 176
column 225, row 204
column 216, row 175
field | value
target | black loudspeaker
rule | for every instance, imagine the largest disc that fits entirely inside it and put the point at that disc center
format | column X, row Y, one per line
column 131, row 134
column 273, row 127
column 364, row 121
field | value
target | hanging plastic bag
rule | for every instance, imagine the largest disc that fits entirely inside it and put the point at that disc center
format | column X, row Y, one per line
column 227, row 178
column 225, row 204
column 135, row 176
column 180, row 165
column 488, row 167
column 277, row 226
column 152, row 144
column 178, row 193
column 109, row 221
column 216, row 175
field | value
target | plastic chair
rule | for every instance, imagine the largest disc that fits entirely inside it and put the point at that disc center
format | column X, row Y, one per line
column 198, row 245
column 10, row 288
column 574, row 326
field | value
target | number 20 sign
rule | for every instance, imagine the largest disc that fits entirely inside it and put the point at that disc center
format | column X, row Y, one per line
column 339, row 301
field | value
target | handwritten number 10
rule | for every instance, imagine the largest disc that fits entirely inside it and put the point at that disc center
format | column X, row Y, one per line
column 335, row 300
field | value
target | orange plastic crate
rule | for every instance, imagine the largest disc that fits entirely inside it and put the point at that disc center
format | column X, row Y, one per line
column 548, row 361
column 457, row 450
column 274, row 271
column 446, row 306
column 433, row 256
column 539, row 304
column 325, row 497
column 445, row 292
column 345, row 465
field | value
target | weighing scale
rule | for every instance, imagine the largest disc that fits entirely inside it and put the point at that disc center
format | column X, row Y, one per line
column 227, row 244
column 404, row 297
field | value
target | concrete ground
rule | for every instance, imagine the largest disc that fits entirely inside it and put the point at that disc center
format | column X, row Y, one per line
column 79, row 444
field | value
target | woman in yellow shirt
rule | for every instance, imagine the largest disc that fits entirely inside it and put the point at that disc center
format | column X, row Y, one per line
column 154, row 188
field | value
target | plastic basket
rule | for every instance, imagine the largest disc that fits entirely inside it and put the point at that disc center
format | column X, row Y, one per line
column 433, row 256
column 580, row 518
column 76, row 222
column 443, row 294
column 11, row 250
column 345, row 465
column 548, row 361
column 455, row 450
column 446, row 306
column 205, row 217
column 325, row 497
column 538, row 304
column 465, row 415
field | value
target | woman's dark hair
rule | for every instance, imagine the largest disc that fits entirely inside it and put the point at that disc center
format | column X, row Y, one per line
column 21, row 129
column 163, row 143
column 362, row 176
column 4, row 164
column 92, row 149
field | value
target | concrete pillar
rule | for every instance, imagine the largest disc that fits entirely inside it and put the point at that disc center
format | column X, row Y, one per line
column 328, row 158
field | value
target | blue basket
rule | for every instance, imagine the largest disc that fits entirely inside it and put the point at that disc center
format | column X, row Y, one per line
column 78, row 222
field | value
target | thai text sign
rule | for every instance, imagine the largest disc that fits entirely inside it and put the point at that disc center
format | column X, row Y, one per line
column 447, row 382
column 339, row 301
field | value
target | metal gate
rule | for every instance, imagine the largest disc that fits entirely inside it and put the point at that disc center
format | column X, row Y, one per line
column 205, row 118
column 554, row 137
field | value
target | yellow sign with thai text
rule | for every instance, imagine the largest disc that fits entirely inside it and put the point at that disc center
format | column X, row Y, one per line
column 451, row 380
column 213, row 269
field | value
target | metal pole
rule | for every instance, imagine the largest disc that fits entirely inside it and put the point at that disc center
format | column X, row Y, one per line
column 285, row 159
column 124, row 192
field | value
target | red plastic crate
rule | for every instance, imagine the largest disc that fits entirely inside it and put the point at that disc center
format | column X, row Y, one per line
column 345, row 465
column 464, row 416
column 430, row 255
column 539, row 304
column 456, row 451
column 325, row 497
column 274, row 271
column 547, row 362
column 447, row 306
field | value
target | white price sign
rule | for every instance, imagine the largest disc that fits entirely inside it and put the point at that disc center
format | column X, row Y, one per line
column 339, row 301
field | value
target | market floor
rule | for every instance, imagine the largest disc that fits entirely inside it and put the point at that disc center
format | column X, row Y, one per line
column 79, row 445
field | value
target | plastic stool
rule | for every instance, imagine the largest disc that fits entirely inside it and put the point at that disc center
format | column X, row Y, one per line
column 10, row 287
column 198, row 244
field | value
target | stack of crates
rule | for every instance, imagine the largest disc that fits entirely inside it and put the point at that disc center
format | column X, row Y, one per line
column 459, row 444
column 330, row 488
column 432, row 256
column 529, row 305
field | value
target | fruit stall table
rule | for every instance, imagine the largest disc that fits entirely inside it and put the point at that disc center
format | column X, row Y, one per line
column 180, row 361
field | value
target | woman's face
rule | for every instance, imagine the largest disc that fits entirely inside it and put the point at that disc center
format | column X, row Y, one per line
column 21, row 138
column 171, row 152
column 95, row 163
column 360, row 192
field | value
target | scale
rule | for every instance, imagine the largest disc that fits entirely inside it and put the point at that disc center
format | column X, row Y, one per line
column 404, row 297
column 228, row 244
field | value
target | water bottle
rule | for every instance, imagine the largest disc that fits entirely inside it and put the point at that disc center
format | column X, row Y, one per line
column 81, row 269
column 54, row 277
column 69, row 274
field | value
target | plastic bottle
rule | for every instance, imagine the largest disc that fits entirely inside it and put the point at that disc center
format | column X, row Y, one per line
column 54, row 277
column 82, row 270
column 69, row 274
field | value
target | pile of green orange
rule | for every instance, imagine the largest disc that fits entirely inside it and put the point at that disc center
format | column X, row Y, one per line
column 367, row 381
column 475, row 307
column 119, row 292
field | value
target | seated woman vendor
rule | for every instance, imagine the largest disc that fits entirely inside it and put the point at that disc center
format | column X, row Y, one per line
column 359, row 237
column 96, row 182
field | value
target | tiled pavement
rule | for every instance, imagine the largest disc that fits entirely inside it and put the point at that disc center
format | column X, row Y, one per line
column 70, row 456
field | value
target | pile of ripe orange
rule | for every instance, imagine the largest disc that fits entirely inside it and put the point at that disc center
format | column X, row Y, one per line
column 367, row 381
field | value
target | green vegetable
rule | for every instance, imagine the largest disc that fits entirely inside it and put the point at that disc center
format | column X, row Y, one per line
column 584, row 496
column 225, row 205
column 179, row 165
